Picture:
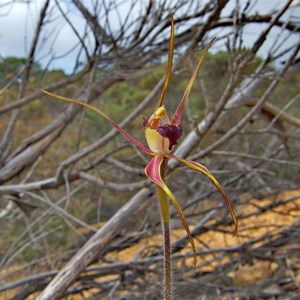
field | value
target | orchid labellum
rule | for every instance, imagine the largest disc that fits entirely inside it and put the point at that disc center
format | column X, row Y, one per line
column 162, row 133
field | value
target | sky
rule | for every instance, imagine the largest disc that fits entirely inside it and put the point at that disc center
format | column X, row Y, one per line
column 18, row 22
column 17, row 26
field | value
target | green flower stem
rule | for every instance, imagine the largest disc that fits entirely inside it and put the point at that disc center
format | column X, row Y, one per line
column 165, row 218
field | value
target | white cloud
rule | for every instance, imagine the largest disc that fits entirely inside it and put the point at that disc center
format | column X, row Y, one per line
column 13, row 31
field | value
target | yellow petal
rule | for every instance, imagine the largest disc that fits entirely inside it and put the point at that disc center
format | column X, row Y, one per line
column 157, row 143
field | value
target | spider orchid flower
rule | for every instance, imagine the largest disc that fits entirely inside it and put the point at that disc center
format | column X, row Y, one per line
column 162, row 134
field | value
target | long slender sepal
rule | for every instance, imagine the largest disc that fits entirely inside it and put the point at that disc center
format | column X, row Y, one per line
column 200, row 168
column 108, row 119
column 169, row 66
column 177, row 115
column 153, row 172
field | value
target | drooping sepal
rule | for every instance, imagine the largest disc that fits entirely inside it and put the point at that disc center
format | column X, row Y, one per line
column 200, row 168
column 153, row 172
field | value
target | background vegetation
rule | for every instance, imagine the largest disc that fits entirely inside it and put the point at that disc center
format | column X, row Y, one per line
column 75, row 205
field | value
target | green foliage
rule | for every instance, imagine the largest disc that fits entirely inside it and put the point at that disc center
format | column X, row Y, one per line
column 11, row 65
column 29, row 253
column 287, row 89
column 153, row 74
column 59, row 232
column 121, row 98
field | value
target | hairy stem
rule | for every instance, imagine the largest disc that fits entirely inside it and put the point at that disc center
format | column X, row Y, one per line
column 167, row 262
column 165, row 218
